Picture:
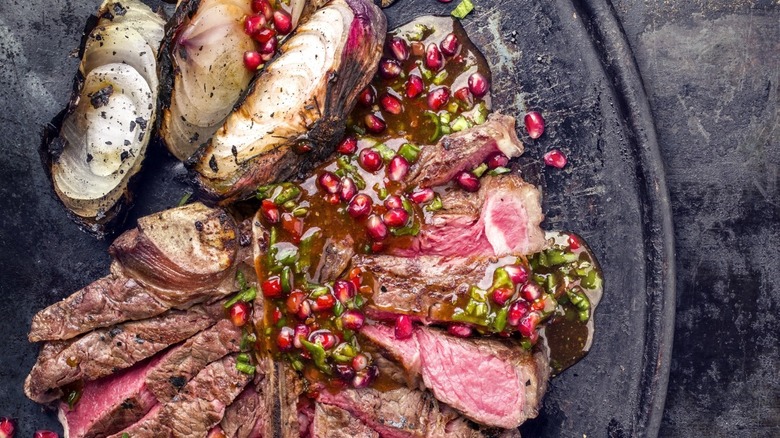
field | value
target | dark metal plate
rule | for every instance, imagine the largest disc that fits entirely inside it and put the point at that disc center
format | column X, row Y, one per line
column 566, row 58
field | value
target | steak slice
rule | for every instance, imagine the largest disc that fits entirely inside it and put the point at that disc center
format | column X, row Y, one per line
column 465, row 150
column 199, row 406
column 187, row 360
column 245, row 417
column 336, row 255
column 502, row 218
column 334, row 422
column 493, row 382
column 108, row 350
column 173, row 259
column 281, row 388
column 109, row 404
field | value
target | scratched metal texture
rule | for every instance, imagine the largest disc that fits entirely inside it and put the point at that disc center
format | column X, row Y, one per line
column 566, row 58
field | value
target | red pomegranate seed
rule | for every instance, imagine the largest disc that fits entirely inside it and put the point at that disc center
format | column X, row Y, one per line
column 574, row 242
column 376, row 228
column 264, row 34
column 292, row 225
column 282, row 22
column 459, row 330
column 393, row 201
column 293, row 302
column 348, row 189
column 438, row 98
column 502, row 294
column 391, row 104
column 347, row 146
column 398, row 168
column 400, row 48
column 389, row 68
column 352, row 320
column 365, row 378
column 528, row 324
column 397, row 217
column 277, row 315
column 377, row 246
column 239, row 313
column 534, row 124
column 478, row 84
column 253, row 23
column 332, row 198
column 270, row 211
column 418, row 48
column 370, row 160
column 329, row 182
column 403, row 327
column 531, row 291
column 304, row 312
column 517, row 273
column 344, row 290
column 555, row 158
column 272, row 288
column 263, row 7
column 301, row 332
column 367, row 96
column 422, row 196
column 360, row 362
column 414, row 86
column 360, row 206
column 268, row 48
column 323, row 337
column 324, row 302
column 6, row 428
column 45, row 434
column 344, row 372
column 450, row 45
column 252, row 60
column 374, row 123
column 497, row 160
column 467, row 181
column 433, row 58
column 463, row 94
column 285, row 340
column 517, row 311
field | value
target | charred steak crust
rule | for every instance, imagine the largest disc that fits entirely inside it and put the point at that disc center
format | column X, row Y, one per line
column 245, row 418
column 334, row 422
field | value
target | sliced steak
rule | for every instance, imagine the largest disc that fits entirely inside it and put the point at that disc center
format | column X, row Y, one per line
column 110, row 404
column 465, row 150
column 493, row 382
column 108, row 350
column 334, row 422
column 281, row 388
column 172, row 259
column 245, row 417
column 336, row 255
column 199, row 406
column 187, row 360
column 502, row 218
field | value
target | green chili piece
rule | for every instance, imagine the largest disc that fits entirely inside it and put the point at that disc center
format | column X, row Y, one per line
column 300, row 211
column 245, row 368
column 477, row 294
column 288, row 194
column 338, row 308
column 287, row 279
column 480, row 116
column 412, row 229
column 499, row 323
column 318, row 355
column 526, row 343
column 248, row 340
column 184, row 199
column 241, row 279
column 385, row 152
column 480, row 170
column 499, row 171
column 318, row 291
column 436, row 204
column 249, row 294
column 592, row 280
column 297, row 365
column 286, row 253
column 410, row 152
column 441, row 77
column 236, row 298
column 437, row 125
column 125, row 435
column 463, row 9
column 243, row 358
column 459, row 124
column 481, row 310
column 501, row 279
column 73, row 398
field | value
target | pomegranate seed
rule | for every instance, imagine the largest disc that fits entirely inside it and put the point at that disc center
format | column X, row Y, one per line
column 450, row 45
column 463, row 94
column 347, row 146
column 516, row 312
column 370, row 160
column 396, row 217
column 360, row 362
column 467, row 181
column 239, row 313
column 414, row 86
column 352, row 320
column 301, row 332
column 268, row 48
column 534, row 124
column 285, row 340
column 263, row 7
column 528, row 324
column 438, row 98
column 574, row 242
column 403, row 327
column 264, row 35
column 389, row 68
column 270, row 211
column 348, row 189
column 497, row 160
column 517, row 273
column 398, row 168
column 400, row 48
column 292, row 225
column 332, row 198
column 45, row 434
column 344, row 290
column 293, row 302
column 253, row 23
column 555, row 158
column 360, row 206
column 502, row 294
column 324, row 302
column 459, row 330
column 377, row 246
column 391, row 104
column 433, row 58
column 329, row 182
column 394, row 201
column 252, row 60
column 344, row 372
column 367, row 96
column 478, row 84
column 366, row 377
column 376, row 228
column 276, row 315
column 418, row 48
column 6, row 428
column 422, row 196
column 304, row 311
column 272, row 288
column 282, row 22
column 374, row 123
column 323, row 337
column 531, row 291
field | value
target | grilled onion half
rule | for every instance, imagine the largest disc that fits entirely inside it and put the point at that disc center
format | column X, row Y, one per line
column 98, row 144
